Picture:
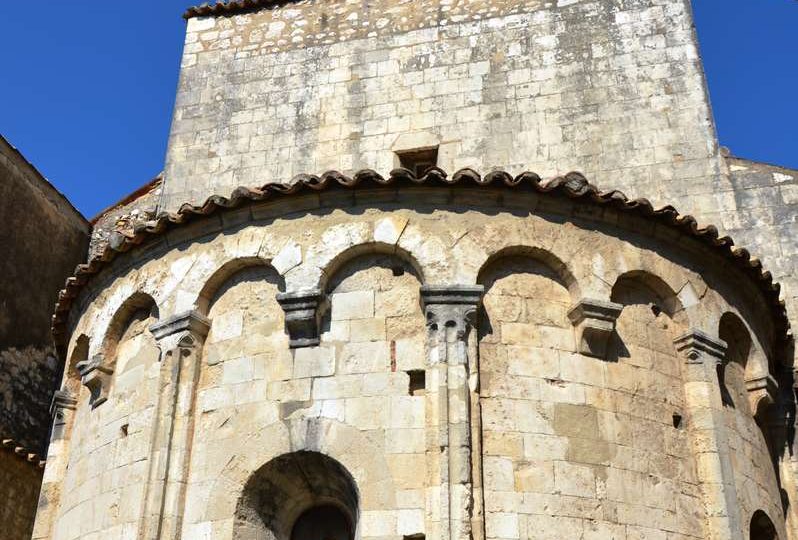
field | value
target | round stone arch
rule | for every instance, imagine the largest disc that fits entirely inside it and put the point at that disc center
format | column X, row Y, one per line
column 289, row 489
column 669, row 280
column 372, row 248
column 761, row 527
column 222, row 275
column 136, row 302
column 472, row 253
column 356, row 453
column 544, row 256
column 661, row 289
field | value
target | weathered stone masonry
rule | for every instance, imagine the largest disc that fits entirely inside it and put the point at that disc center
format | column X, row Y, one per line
column 414, row 355
column 567, row 439
column 42, row 239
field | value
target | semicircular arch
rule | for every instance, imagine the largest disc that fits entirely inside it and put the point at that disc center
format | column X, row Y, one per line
column 558, row 267
column 137, row 302
column 347, row 445
column 342, row 259
column 216, row 281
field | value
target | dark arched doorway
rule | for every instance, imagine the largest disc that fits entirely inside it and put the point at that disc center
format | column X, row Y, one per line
column 322, row 523
column 298, row 496
column 762, row 528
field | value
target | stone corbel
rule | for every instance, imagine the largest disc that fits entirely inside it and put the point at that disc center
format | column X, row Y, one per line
column 699, row 347
column 594, row 321
column 97, row 378
column 302, row 316
column 175, row 330
column 762, row 391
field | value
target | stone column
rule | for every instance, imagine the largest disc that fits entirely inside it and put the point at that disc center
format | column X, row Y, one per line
column 451, row 315
column 62, row 410
column 707, row 427
column 180, row 339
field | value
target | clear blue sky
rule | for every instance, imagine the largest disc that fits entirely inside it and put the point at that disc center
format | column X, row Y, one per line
column 87, row 86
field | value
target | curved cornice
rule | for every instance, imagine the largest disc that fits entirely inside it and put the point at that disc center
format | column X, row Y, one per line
column 572, row 185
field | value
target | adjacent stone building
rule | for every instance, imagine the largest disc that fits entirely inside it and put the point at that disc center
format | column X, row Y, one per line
column 434, row 342
column 42, row 240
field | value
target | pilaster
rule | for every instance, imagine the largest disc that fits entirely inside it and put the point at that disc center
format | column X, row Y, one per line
column 180, row 339
column 451, row 315
column 703, row 354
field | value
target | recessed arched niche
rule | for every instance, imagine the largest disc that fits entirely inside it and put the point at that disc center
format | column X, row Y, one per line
column 298, row 496
column 762, row 527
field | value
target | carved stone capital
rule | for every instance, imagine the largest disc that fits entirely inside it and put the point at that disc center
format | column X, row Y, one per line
column 97, row 378
column 452, row 306
column 594, row 321
column 302, row 316
column 700, row 347
column 762, row 391
column 62, row 399
column 187, row 328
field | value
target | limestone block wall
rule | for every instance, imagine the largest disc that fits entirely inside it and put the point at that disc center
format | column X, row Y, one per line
column 109, row 452
column 428, row 361
column 764, row 218
column 612, row 89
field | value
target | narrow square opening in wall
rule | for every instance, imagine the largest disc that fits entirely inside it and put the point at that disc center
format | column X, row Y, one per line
column 419, row 160
column 418, row 382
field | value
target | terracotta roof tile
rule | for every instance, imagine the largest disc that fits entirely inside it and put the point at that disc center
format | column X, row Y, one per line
column 10, row 445
column 572, row 185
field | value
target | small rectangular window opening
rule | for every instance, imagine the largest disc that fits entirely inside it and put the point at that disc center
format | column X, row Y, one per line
column 418, row 382
column 677, row 420
column 419, row 161
column 418, row 536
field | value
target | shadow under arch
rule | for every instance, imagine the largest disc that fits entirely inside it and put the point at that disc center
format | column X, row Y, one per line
column 215, row 284
column 137, row 305
column 745, row 383
column 640, row 287
column 80, row 355
column 294, row 492
column 645, row 286
column 524, row 262
column 734, row 371
column 762, row 527
column 370, row 248
column 558, row 267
